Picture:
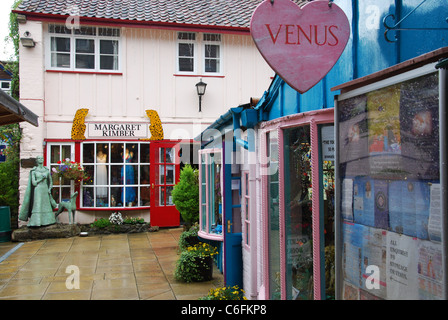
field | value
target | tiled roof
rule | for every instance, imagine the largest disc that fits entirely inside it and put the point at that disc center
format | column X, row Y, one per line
column 216, row 13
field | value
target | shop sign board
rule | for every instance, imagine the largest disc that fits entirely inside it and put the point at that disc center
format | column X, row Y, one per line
column 301, row 44
column 117, row 130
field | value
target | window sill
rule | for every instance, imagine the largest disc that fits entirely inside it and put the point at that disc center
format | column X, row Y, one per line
column 199, row 75
column 113, row 208
column 87, row 72
column 210, row 236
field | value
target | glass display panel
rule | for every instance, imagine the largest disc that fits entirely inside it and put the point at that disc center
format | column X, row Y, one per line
column 389, row 175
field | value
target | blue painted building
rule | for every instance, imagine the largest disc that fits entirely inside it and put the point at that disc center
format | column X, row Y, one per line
column 262, row 141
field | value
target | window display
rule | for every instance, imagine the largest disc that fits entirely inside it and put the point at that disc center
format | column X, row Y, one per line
column 119, row 175
column 211, row 193
column 389, row 173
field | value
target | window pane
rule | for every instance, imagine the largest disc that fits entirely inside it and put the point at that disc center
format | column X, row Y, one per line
column 145, row 195
column 54, row 28
column 102, row 197
column 55, row 154
column 169, row 198
column 144, row 153
column 109, row 47
column 116, row 152
column 186, row 36
column 116, row 197
column 90, row 172
column 170, row 154
column 186, row 50
column 60, row 60
column 87, row 152
column 109, row 63
column 131, row 153
column 66, row 152
column 273, row 216
column 87, row 197
column 85, row 46
column 211, row 51
column 60, row 44
column 85, row 61
column 170, row 171
column 298, row 215
column 186, row 64
column 211, row 65
column 144, row 174
column 108, row 32
column 88, row 31
column 212, row 37
column 117, row 175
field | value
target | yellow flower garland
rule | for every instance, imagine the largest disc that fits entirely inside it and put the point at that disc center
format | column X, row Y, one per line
column 78, row 127
column 155, row 127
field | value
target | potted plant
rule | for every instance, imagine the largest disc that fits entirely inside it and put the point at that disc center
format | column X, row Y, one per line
column 189, row 238
column 186, row 195
column 196, row 263
column 225, row 293
column 70, row 170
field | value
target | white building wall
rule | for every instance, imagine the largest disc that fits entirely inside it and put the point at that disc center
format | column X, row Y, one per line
column 147, row 80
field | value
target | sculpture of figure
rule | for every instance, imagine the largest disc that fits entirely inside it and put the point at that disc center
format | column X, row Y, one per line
column 38, row 203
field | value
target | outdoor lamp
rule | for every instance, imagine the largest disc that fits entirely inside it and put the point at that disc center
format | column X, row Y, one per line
column 27, row 41
column 200, row 87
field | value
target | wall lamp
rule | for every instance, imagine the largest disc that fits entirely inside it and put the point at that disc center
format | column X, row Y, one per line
column 27, row 41
column 200, row 87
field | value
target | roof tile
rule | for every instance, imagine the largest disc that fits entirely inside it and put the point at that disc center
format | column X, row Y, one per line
column 219, row 13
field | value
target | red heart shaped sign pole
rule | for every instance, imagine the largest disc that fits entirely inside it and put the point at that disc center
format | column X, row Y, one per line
column 300, row 44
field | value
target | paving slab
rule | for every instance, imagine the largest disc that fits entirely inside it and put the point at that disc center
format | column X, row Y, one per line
column 136, row 266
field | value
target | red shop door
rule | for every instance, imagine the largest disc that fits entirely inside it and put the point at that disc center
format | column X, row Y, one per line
column 164, row 172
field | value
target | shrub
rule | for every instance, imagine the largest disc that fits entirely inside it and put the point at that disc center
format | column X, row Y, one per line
column 188, row 238
column 225, row 293
column 186, row 195
column 195, row 262
column 101, row 223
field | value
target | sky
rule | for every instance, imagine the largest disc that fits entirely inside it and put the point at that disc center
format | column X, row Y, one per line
column 6, row 49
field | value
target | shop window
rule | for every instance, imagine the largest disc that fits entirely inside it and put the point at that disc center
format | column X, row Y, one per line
column 84, row 49
column 211, row 193
column 119, row 175
column 298, row 214
column 245, row 206
column 56, row 152
column 273, row 212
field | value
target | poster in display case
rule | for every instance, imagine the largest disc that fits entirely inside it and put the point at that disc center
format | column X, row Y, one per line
column 389, row 205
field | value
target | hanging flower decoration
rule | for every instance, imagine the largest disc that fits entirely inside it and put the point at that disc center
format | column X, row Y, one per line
column 70, row 170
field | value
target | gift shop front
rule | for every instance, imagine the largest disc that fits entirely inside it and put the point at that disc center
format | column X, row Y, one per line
column 124, row 170
column 297, row 170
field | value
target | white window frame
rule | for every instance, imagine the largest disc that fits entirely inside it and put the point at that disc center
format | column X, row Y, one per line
column 137, row 183
column 9, row 82
column 73, row 37
column 219, row 59
column 199, row 45
column 51, row 164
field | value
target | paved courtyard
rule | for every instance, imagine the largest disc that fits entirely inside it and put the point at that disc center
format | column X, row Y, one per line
column 123, row 266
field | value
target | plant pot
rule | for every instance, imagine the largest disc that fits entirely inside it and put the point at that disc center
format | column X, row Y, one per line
column 205, row 268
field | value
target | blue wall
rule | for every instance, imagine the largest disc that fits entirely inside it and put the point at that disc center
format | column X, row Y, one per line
column 367, row 50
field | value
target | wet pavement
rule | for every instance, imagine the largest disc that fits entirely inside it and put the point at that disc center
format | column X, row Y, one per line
column 137, row 266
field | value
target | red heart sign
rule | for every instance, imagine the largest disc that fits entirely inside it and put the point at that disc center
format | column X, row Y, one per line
column 300, row 44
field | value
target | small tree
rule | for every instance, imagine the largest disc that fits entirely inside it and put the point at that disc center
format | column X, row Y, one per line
column 186, row 195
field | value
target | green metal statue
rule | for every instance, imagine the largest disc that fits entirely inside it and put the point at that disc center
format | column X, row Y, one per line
column 38, row 203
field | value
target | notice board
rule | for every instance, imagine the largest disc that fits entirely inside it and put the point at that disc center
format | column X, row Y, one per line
column 389, row 199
